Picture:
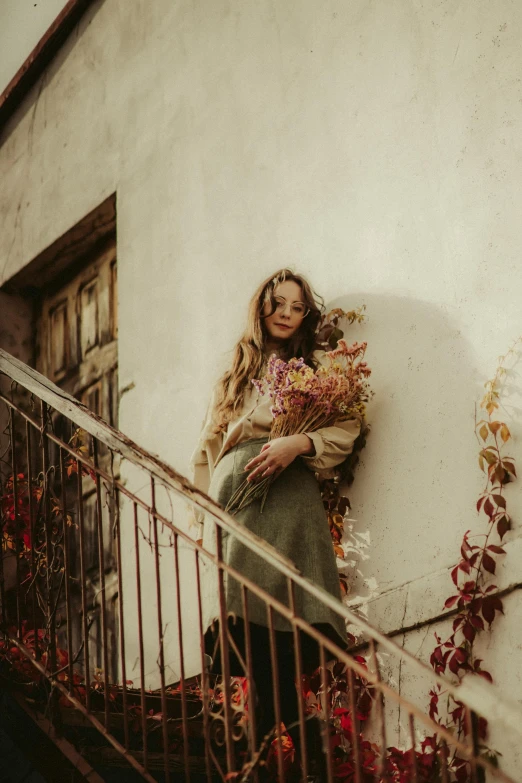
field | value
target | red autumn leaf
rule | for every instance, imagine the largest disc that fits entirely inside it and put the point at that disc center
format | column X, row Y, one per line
column 458, row 660
column 429, row 742
column 496, row 603
column 499, row 500
column 490, row 605
column 509, row 465
column 488, row 508
column 488, row 613
column 462, row 774
column 488, row 563
column 455, row 576
column 475, row 605
column 477, row 622
column 480, row 501
column 456, row 714
column 497, row 549
column 454, row 665
column 501, row 475
column 450, row 601
column 503, row 525
column 469, row 632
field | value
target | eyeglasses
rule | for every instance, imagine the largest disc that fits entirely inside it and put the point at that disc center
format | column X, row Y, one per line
column 296, row 308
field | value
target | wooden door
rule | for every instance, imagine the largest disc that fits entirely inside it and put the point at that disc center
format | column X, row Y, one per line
column 77, row 335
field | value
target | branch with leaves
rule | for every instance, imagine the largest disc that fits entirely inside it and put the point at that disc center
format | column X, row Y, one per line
column 476, row 597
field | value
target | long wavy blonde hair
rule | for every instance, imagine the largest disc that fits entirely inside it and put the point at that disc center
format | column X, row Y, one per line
column 249, row 354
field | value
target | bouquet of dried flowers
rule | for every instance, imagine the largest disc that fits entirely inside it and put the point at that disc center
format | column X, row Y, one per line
column 303, row 400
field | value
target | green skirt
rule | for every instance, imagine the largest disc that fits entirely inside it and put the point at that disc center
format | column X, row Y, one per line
column 294, row 522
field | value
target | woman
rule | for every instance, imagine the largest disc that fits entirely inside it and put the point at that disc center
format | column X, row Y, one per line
column 283, row 318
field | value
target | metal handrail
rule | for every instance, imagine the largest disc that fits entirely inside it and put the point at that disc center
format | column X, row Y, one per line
column 479, row 697
column 77, row 412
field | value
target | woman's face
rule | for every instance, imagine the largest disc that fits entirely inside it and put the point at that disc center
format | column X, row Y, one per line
column 289, row 314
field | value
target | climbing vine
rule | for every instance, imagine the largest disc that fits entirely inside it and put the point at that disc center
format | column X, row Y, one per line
column 475, row 598
column 336, row 504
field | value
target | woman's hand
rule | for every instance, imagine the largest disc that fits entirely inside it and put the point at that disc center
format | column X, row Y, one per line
column 277, row 454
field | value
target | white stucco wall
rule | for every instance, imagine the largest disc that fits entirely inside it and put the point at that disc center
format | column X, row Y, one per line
column 375, row 147
column 22, row 24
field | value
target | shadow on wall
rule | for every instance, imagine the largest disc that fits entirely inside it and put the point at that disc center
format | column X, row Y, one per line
column 414, row 490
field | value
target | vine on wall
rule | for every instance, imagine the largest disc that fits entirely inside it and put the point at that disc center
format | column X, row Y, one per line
column 336, row 504
column 474, row 597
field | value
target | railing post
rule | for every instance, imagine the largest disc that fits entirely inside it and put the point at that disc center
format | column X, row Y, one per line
column 204, row 673
column 327, row 749
column 298, row 660
column 46, row 469
column 67, row 569
column 161, row 657
column 381, row 716
column 413, row 757
column 276, row 695
column 184, row 714
column 121, row 615
column 140, row 638
column 2, row 577
column 225, row 663
column 354, row 728
column 443, row 760
column 16, row 520
column 32, row 528
column 52, row 599
column 252, row 693
column 103, row 597
column 472, row 730
column 83, row 586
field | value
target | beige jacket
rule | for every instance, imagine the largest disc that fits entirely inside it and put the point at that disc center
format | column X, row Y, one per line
column 332, row 444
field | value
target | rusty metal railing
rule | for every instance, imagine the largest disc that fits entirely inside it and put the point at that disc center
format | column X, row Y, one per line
column 102, row 609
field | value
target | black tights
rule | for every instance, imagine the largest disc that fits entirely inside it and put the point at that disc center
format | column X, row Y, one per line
column 263, row 699
column 288, row 695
